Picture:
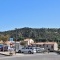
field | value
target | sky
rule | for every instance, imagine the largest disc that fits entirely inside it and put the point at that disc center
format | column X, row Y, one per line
column 29, row 13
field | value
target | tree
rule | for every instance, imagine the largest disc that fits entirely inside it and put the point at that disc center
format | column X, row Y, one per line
column 20, row 38
column 23, row 43
column 4, row 38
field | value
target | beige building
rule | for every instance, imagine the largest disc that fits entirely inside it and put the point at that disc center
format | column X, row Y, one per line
column 28, row 41
column 47, row 45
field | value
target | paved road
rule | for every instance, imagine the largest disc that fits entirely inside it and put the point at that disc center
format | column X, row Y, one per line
column 50, row 56
column 2, row 55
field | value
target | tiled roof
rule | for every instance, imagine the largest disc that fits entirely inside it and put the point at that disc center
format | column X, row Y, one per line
column 45, row 43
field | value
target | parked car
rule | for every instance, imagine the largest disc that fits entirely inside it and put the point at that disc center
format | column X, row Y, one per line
column 1, row 47
column 29, row 50
column 58, row 52
column 5, row 47
column 39, row 50
column 42, row 50
column 21, row 50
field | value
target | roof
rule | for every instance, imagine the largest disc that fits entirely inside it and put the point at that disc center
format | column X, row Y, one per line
column 27, row 39
column 41, row 43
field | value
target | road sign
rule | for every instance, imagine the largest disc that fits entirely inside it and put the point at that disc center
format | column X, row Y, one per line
column 11, row 39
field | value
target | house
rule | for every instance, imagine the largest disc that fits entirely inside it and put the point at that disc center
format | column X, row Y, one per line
column 29, row 41
column 47, row 45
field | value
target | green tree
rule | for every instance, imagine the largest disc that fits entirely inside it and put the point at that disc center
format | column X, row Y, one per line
column 20, row 38
column 4, row 39
column 23, row 43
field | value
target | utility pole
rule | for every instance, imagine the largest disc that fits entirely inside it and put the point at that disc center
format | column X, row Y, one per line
column 15, row 39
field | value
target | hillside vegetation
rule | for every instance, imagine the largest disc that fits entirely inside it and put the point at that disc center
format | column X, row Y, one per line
column 38, row 34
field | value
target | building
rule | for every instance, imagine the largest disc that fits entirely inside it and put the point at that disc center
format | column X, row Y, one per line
column 47, row 45
column 29, row 41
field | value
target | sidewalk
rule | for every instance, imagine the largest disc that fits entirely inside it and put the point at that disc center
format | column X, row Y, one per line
column 7, row 54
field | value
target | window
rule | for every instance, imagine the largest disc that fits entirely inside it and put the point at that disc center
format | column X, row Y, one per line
column 43, row 44
column 30, row 48
column 27, row 48
column 51, row 46
column 22, row 48
column 47, row 45
column 39, row 45
column 36, row 45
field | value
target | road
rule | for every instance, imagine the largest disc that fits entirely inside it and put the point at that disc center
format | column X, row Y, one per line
column 2, row 56
column 50, row 56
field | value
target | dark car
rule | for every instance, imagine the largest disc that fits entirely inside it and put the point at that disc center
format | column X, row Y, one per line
column 58, row 52
column 3, row 47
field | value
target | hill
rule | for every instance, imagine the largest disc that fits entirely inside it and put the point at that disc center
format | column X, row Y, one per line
column 38, row 34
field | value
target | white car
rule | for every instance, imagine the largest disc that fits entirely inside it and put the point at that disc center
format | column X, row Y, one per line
column 28, row 50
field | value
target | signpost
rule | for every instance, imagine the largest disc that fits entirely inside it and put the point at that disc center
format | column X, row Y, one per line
column 11, row 44
column 11, row 39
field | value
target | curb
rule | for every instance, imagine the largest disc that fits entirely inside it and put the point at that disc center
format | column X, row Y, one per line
column 10, row 54
column 4, row 54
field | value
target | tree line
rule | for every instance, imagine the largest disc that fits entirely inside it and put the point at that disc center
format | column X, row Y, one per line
column 37, row 34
